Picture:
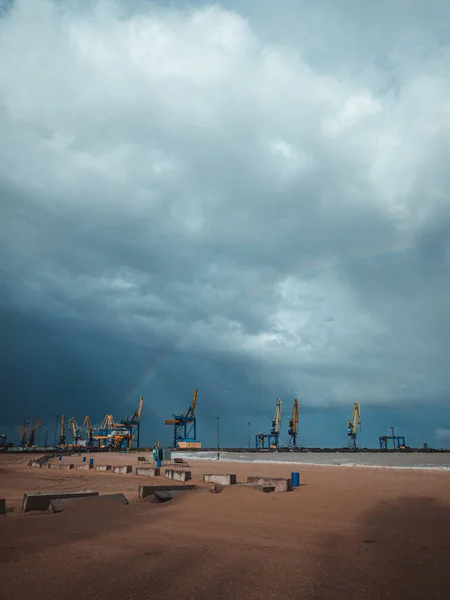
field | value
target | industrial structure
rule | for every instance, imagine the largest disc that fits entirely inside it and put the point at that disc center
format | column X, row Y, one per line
column 77, row 435
column 353, row 422
column 115, row 436
column 185, row 427
column 292, row 429
column 62, row 434
column 28, row 433
column 272, row 438
column 398, row 441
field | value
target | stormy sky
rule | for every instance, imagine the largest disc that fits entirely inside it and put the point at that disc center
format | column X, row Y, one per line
column 248, row 198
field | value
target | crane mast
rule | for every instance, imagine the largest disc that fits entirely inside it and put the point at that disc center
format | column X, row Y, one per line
column 352, row 428
column 292, row 428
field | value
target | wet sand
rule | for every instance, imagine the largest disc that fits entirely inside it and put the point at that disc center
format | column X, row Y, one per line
column 345, row 533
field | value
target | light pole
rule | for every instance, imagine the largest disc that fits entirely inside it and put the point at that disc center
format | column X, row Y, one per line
column 218, row 436
column 56, row 429
column 248, row 434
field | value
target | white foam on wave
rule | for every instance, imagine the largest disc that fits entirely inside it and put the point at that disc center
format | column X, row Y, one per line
column 212, row 456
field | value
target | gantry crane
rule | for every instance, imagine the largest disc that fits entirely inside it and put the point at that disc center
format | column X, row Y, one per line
column 292, row 429
column 32, row 433
column 118, row 435
column 273, row 438
column 77, row 435
column 354, row 420
column 62, row 435
column 184, row 425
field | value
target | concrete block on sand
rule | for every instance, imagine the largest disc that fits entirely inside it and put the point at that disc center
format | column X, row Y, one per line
column 41, row 500
column 2, row 506
column 119, row 497
column 159, row 497
column 84, row 467
column 123, row 470
column 60, row 466
column 55, row 506
column 216, row 488
column 223, row 479
column 34, row 464
column 266, row 489
column 178, row 475
column 281, row 484
column 59, row 505
column 149, row 490
column 103, row 468
column 148, row 471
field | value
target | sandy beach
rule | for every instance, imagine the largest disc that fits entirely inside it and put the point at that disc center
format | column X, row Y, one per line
column 345, row 533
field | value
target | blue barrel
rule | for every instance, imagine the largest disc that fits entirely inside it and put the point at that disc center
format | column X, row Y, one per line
column 91, row 461
column 158, row 463
column 295, row 479
column 83, row 459
column 59, row 457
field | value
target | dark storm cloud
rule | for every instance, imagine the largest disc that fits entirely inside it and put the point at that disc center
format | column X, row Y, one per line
column 254, row 203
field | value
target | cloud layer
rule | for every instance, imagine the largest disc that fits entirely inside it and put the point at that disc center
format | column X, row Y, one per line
column 205, row 185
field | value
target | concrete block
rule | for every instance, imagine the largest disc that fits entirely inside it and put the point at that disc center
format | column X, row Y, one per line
column 123, row 469
column 41, row 500
column 84, row 467
column 148, row 471
column 177, row 475
column 226, row 479
column 281, row 484
column 60, row 466
column 159, row 497
column 55, row 506
column 34, row 464
column 2, row 506
column 119, row 497
column 216, row 488
column 149, row 490
column 103, row 468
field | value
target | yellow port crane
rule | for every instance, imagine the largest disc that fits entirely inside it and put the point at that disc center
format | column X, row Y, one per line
column 62, row 435
column 292, row 428
column 118, row 435
column 353, row 422
column 77, row 435
column 31, row 441
column 24, row 432
column 87, row 423
column 276, row 425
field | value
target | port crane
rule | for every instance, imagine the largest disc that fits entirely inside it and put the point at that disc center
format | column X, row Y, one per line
column 62, row 435
column 24, row 432
column 398, row 441
column 353, row 422
column 273, row 438
column 77, row 435
column 87, row 423
column 31, row 441
column 184, row 425
column 117, row 435
column 292, row 428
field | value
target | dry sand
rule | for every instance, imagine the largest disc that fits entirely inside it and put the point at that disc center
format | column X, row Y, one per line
column 345, row 533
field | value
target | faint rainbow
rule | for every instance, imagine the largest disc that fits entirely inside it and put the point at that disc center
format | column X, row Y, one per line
column 304, row 269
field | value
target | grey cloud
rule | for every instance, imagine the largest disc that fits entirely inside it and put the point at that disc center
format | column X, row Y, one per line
column 220, row 181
